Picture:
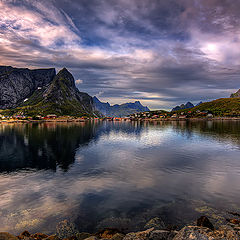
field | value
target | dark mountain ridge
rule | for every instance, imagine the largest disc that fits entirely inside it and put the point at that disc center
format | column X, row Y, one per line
column 62, row 97
column 183, row 106
column 17, row 84
column 118, row 110
column 41, row 92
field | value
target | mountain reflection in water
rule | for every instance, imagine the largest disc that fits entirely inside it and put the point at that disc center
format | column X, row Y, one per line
column 119, row 174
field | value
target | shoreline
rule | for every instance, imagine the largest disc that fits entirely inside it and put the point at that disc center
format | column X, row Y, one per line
column 154, row 229
column 123, row 119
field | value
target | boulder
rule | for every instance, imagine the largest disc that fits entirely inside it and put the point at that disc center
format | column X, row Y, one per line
column 139, row 235
column 39, row 236
column 118, row 236
column 203, row 233
column 150, row 234
column 225, row 232
column 107, row 233
column 7, row 236
column 71, row 238
column 66, row 229
column 203, row 221
column 194, row 233
column 92, row 238
column 234, row 221
column 162, row 235
column 25, row 234
column 83, row 235
column 155, row 223
column 52, row 237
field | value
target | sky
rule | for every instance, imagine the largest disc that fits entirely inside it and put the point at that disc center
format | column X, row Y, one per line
column 161, row 52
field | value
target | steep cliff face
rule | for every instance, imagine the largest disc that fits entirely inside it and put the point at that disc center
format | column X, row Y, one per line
column 61, row 97
column 17, row 84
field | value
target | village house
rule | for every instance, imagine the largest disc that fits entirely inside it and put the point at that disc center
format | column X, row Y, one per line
column 51, row 116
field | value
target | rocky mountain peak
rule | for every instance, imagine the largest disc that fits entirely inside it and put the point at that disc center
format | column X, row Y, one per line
column 118, row 110
column 235, row 95
column 65, row 77
column 183, row 106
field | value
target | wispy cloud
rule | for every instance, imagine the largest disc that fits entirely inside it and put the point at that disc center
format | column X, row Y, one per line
column 161, row 52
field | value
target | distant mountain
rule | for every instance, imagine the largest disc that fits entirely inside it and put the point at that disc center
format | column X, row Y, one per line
column 58, row 95
column 235, row 95
column 117, row 110
column 102, row 107
column 183, row 106
column 17, row 84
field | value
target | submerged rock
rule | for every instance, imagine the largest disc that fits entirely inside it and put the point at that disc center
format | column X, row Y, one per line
column 155, row 223
column 123, row 224
column 203, row 221
column 83, row 235
column 7, row 236
column 66, row 229
column 118, row 236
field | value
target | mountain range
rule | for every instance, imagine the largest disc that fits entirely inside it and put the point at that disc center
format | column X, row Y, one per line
column 184, row 106
column 117, row 110
column 42, row 92
column 223, row 107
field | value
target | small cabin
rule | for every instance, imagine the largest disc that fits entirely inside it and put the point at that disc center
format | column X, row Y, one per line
column 51, row 116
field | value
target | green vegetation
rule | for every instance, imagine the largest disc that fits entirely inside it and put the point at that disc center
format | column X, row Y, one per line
column 69, row 109
column 223, row 107
column 60, row 98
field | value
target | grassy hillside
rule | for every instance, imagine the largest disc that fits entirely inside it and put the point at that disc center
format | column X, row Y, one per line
column 220, row 107
column 70, row 109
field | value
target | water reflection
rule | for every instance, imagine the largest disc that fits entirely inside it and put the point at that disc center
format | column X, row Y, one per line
column 116, row 173
column 48, row 145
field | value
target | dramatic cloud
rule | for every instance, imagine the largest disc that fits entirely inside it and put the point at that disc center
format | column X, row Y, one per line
column 160, row 52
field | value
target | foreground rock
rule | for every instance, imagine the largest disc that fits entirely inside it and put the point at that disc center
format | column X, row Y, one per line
column 204, row 222
column 66, row 229
column 7, row 236
column 158, row 231
column 155, row 223
column 203, row 233
column 150, row 234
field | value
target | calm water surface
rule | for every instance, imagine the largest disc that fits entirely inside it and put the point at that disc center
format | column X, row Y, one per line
column 117, row 174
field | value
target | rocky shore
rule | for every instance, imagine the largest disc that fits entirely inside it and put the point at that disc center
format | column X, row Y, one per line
column 155, row 229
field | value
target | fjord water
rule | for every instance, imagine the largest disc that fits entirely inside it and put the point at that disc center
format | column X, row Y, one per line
column 117, row 174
